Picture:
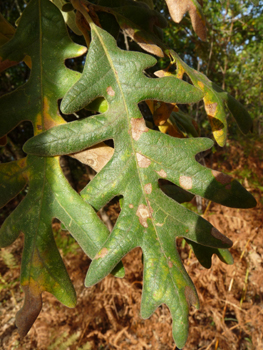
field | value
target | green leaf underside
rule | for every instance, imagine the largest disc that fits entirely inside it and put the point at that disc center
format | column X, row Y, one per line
column 217, row 101
column 148, row 218
column 49, row 79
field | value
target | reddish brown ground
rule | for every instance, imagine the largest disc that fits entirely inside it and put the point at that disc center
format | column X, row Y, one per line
column 107, row 315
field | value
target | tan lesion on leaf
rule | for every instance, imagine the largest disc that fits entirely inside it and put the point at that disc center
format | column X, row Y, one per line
column 143, row 162
column 110, row 91
column 138, row 127
column 186, row 182
column 211, row 108
column 148, row 188
column 101, row 254
column 162, row 173
column 143, row 214
column 170, row 264
column 217, row 125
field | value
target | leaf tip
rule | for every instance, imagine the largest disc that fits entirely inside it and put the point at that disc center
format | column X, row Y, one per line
column 218, row 235
column 191, row 297
column 26, row 317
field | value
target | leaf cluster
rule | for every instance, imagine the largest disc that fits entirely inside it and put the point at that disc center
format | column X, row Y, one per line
column 152, row 164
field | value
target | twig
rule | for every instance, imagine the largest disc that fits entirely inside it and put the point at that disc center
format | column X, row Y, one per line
column 126, row 41
column 18, row 7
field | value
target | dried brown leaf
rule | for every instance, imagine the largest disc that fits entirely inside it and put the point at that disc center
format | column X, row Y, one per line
column 178, row 8
column 96, row 157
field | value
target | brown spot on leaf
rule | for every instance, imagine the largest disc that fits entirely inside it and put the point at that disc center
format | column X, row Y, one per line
column 149, row 206
column 190, row 296
column 211, row 109
column 22, row 162
column 143, row 162
column 110, row 91
column 218, row 235
column 101, row 254
column 131, row 206
column 148, row 188
column 222, row 178
column 186, row 182
column 170, row 264
column 26, row 317
column 138, row 127
column 143, row 214
column 162, row 173
column 158, row 224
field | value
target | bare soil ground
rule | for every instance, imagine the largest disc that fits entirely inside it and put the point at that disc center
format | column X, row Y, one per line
column 107, row 315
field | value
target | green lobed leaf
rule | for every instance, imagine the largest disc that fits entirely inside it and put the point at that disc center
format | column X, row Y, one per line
column 43, row 36
column 148, row 217
column 49, row 196
column 216, row 101
column 49, row 78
